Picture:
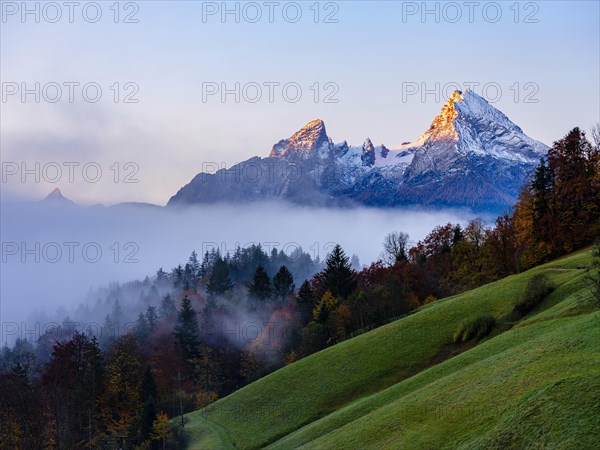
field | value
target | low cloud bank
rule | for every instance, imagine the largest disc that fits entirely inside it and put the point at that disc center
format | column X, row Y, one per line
column 54, row 256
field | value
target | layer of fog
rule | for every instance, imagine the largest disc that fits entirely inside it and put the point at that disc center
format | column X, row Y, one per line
column 51, row 259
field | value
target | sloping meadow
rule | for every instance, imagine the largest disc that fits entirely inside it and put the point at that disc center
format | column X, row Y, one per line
column 533, row 380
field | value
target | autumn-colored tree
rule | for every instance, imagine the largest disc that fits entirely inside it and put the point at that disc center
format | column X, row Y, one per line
column 574, row 163
column 121, row 403
column 161, row 430
column 559, row 211
column 166, row 361
column 529, row 247
column 341, row 319
column 500, row 251
column 434, row 255
column 468, row 259
column 250, row 366
column 325, row 307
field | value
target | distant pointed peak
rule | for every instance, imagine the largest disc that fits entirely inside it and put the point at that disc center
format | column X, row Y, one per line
column 466, row 106
column 55, row 194
column 304, row 141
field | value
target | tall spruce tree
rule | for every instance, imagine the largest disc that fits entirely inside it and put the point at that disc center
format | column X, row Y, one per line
column 260, row 287
column 306, row 300
column 339, row 277
column 283, row 284
column 167, row 308
column 219, row 282
column 151, row 318
column 187, row 331
column 149, row 398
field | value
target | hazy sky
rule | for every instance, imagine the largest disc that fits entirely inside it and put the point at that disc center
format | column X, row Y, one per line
column 538, row 60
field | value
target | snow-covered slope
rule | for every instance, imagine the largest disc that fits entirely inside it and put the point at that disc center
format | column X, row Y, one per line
column 471, row 155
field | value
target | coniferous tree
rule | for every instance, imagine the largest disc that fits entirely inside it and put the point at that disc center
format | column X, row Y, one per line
column 161, row 275
column 186, row 329
column 167, row 308
column 283, row 283
column 108, row 333
column 151, row 318
column 142, row 331
column 339, row 278
column 205, row 265
column 117, row 312
column 305, row 300
column 194, row 266
column 178, row 277
column 219, row 282
column 260, row 287
column 149, row 397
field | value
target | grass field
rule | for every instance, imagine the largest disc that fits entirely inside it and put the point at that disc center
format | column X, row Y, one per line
column 533, row 383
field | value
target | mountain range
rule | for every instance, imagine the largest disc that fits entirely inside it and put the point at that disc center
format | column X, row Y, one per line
column 471, row 156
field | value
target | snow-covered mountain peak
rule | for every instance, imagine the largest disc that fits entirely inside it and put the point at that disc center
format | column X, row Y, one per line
column 471, row 155
column 465, row 110
column 475, row 108
column 303, row 142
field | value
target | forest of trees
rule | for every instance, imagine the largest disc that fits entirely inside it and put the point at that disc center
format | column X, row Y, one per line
column 209, row 327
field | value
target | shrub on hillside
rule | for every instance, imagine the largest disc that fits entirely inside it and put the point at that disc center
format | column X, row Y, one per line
column 475, row 328
column 537, row 289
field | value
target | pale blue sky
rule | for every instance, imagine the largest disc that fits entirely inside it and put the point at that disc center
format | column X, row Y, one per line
column 368, row 54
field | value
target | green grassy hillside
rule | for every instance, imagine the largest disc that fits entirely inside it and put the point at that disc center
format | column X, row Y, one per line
column 532, row 383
